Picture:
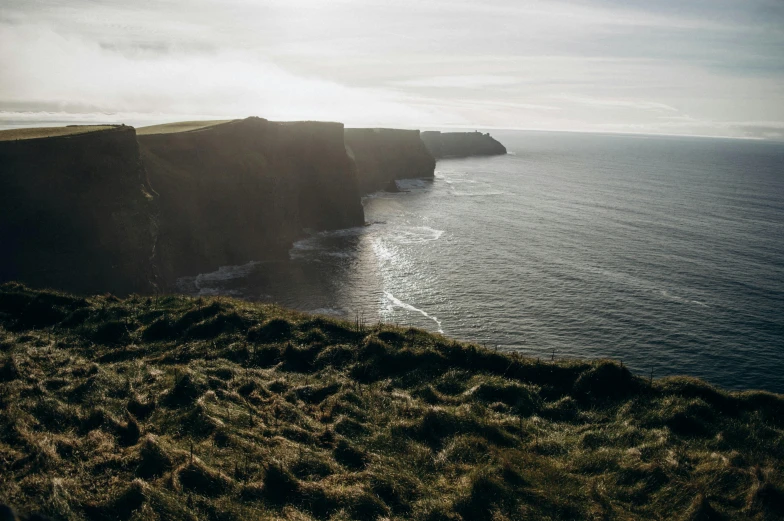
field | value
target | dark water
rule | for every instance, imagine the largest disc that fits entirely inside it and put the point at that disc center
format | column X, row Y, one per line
column 666, row 253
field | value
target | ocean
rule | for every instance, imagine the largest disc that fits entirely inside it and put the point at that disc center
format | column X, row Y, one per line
column 666, row 253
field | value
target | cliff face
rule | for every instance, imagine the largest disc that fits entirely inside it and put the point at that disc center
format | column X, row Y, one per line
column 76, row 211
column 244, row 190
column 383, row 155
column 109, row 209
column 461, row 144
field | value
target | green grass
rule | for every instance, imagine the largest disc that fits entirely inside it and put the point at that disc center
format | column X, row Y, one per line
column 182, row 126
column 15, row 134
column 184, row 408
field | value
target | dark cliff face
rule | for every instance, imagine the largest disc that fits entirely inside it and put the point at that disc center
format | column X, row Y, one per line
column 76, row 213
column 244, row 190
column 383, row 155
column 461, row 144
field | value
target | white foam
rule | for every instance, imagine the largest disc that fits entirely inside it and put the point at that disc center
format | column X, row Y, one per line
column 204, row 284
column 315, row 243
column 397, row 303
column 461, row 186
column 477, row 194
column 228, row 272
column 382, row 252
column 417, row 235
column 412, row 185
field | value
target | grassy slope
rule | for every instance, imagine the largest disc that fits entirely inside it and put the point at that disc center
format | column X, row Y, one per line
column 182, row 126
column 182, row 408
column 43, row 132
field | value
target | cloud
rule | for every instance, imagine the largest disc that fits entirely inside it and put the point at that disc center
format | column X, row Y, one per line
column 608, row 102
column 666, row 66
column 70, row 74
column 459, row 82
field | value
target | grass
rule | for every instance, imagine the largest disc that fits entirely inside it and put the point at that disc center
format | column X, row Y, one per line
column 185, row 408
column 182, row 126
column 16, row 134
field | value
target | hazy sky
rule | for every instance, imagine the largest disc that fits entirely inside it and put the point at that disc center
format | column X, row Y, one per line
column 707, row 67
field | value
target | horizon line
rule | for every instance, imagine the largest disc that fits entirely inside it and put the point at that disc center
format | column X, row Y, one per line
column 44, row 123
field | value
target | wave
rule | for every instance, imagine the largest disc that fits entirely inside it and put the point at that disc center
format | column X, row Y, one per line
column 397, row 303
column 417, row 235
column 382, row 252
column 460, row 185
column 477, row 194
column 204, row 284
column 315, row 243
column 413, row 185
column 666, row 294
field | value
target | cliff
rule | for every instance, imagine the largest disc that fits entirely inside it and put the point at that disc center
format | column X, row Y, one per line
column 76, row 211
column 244, row 190
column 212, row 408
column 384, row 155
column 461, row 144
column 92, row 209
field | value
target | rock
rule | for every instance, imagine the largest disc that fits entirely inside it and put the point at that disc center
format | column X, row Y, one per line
column 461, row 144
column 383, row 155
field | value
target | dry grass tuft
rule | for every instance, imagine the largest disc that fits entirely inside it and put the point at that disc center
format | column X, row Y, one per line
column 189, row 409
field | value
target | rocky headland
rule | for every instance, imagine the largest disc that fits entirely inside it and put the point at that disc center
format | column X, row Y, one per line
column 109, row 208
column 385, row 155
column 444, row 145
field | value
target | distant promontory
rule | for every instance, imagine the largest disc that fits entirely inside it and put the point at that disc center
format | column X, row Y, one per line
column 385, row 155
column 92, row 209
column 443, row 145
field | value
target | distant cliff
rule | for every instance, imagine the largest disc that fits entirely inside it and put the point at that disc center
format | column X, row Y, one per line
column 245, row 190
column 97, row 209
column 384, row 155
column 461, row 144
column 76, row 211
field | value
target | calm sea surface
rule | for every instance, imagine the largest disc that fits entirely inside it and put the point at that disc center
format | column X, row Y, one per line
column 666, row 253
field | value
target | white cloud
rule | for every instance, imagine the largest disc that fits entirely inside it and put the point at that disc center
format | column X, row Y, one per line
column 609, row 102
column 555, row 64
column 459, row 82
column 70, row 74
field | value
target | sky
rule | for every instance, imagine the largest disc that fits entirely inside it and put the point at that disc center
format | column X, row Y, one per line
column 691, row 67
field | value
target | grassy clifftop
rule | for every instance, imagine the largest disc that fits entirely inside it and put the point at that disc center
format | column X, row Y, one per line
column 18, row 134
column 180, row 126
column 182, row 408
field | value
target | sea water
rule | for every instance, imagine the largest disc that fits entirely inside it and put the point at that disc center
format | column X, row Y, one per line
column 664, row 252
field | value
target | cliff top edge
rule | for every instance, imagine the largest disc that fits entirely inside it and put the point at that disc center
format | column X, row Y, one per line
column 22, row 134
column 180, row 126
